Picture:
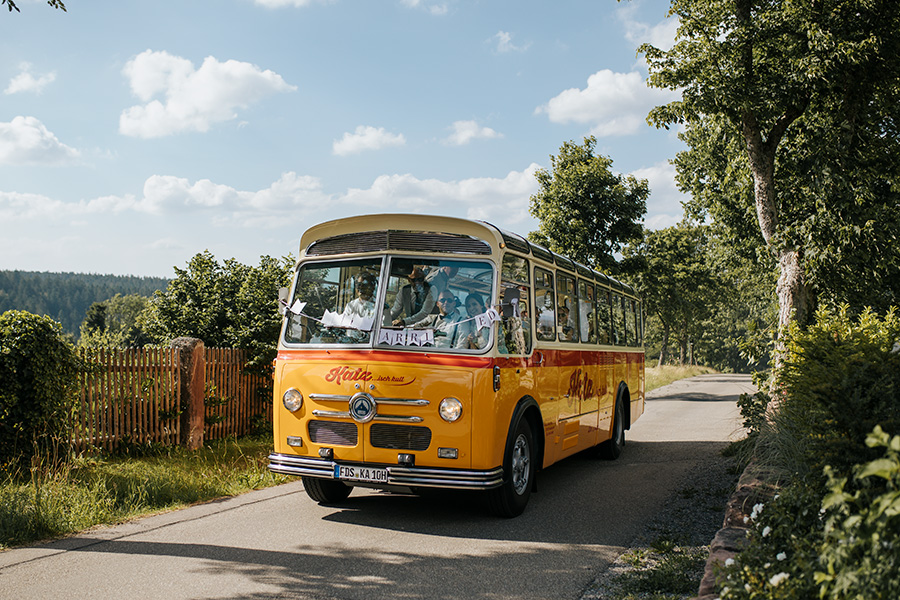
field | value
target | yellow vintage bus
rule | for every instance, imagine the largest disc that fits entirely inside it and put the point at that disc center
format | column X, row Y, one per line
column 436, row 352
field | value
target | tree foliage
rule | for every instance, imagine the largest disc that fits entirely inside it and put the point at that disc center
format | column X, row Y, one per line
column 791, row 113
column 11, row 5
column 676, row 281
column 225, row 304
column 66, row 297
column 586, row 211
column 114, row 323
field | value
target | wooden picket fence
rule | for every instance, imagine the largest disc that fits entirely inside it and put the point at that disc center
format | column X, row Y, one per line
column 132, row 396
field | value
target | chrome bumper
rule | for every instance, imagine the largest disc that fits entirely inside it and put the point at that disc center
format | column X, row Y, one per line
column 459, row 479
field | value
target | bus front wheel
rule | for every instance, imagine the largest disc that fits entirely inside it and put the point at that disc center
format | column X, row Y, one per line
column 509, row 499
column 325, row 491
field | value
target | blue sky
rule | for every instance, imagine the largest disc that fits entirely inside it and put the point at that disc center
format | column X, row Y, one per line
column 136, row 134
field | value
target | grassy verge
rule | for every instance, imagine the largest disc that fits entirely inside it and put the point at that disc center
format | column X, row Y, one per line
column 93, row 491
column 656, row 377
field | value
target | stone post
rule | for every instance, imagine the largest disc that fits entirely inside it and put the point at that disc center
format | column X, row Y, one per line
column 192, row 374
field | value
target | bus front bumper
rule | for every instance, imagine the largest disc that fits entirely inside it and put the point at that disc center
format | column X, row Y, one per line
column 399, row 475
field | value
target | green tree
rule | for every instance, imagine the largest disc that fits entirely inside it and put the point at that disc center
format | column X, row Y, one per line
column 790, row 112
column 54, row 3
column 113, row 323
column 678, row 285
column 586, row 211
column 225, row 304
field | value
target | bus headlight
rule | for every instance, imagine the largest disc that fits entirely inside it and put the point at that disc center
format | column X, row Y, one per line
column 450, row 409
column 292, row 399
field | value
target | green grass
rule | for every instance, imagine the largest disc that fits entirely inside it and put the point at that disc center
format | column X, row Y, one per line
column 656, row 377
column 93, row 491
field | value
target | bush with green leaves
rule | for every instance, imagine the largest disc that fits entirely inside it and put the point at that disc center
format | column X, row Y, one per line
column 840, row 378
column 860, row 555
column 833, row 531
column 38, row 387
column 839, row 541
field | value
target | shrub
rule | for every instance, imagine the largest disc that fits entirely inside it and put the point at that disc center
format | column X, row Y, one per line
column 840, row 379
column 38, row 379
column 860, row 555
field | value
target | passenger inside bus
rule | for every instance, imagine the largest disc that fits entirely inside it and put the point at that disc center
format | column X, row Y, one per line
column 470, row 336
column 445, row 323
column 415, row 299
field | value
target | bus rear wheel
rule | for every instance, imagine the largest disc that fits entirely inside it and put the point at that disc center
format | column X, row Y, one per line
column 612, row 448
column 325, row 491
column 509, row 500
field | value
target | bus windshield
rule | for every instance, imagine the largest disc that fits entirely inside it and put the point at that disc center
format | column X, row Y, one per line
column 416, row 303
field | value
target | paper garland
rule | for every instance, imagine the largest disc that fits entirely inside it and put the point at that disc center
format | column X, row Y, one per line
column 391, row 337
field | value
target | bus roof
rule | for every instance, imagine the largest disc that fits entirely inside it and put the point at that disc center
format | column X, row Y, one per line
column 379, row 232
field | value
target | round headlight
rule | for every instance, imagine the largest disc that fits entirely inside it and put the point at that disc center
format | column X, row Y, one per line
column 292, row 399
column 450, row 409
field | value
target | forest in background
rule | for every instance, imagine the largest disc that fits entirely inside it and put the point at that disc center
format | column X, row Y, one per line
column 66, row 297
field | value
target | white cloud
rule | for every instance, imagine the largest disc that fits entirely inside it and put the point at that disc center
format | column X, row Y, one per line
column 283, row 3
column 193, row 99
column 612, row 103
column 504, row 43
column 664, row 207
column 466, row 131
column 503, row 200
column 437, row 9
column 366, row 138
column 661, row 35
column 26, row 82
column 26, row 141
column 481, row 197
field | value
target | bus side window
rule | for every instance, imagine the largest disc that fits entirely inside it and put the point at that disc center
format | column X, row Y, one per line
column 586, row 312
column 630, row 323
column 639, row 315
column 618, row 315
column 544, row 305
column 566, row 308
column 603, row 321
column 515, row 322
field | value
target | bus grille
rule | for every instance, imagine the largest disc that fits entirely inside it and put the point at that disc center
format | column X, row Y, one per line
column 373, row 241
column 333, row 433
column 400, row 437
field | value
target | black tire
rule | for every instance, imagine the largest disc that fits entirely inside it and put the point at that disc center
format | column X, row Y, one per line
column 509, row 500
column 326, row 491
column 612, row 448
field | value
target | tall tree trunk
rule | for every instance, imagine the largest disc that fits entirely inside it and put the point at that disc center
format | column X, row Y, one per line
column 665, row 344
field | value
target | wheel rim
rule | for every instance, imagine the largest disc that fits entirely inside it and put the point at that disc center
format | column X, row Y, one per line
column 521, row 460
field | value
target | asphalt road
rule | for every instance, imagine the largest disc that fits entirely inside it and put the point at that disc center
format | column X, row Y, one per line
column 277, row 543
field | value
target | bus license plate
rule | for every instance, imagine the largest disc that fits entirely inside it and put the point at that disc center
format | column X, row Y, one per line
column 367, row 474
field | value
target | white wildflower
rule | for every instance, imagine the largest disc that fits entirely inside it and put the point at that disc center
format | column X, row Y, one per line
column 729, row 562
column 757, row 508
column 777, row 579
column 766, row 531
column 781, row 556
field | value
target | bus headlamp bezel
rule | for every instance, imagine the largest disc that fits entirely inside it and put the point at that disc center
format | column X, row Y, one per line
column 450, row 409
column 292, row 399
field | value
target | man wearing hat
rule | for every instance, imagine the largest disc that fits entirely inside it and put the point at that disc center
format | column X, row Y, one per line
column 415, row 300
